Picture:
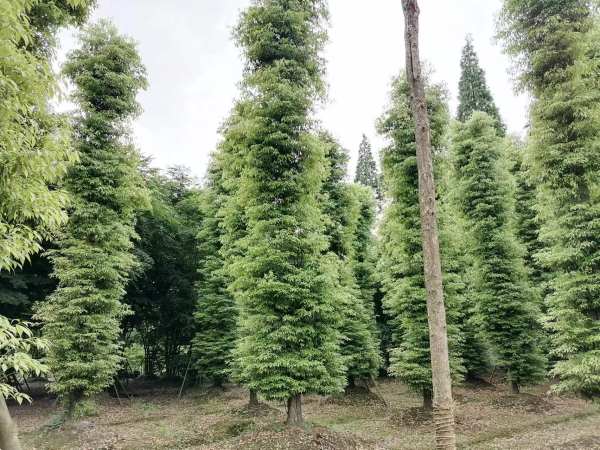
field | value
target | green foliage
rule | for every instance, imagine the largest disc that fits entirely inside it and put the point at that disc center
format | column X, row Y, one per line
column 364, row 245
column 289, row 343
column 545, row 39
column 226, row 169
column 46, row 17
column 556, row 48
column 505, row 302
column 216, row 313
column 34, row 156
column 527, row 220
column 161, row 293
column 34, row 148
column 344, row 207
column 366, row 169
column 401, row 261
column 17, row 343
column 473, row 92
column 94, row 256
column 459, row 279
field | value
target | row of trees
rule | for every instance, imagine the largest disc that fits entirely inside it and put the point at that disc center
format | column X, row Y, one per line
column 271, row 274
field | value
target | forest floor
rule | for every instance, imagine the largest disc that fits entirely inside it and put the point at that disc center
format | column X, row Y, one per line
column 487, row 418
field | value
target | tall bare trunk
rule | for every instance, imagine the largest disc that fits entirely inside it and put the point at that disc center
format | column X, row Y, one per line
column 294, row 411
column 445, row 437
column 9, row 439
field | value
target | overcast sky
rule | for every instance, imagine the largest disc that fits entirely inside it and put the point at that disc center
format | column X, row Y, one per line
column 194, row 68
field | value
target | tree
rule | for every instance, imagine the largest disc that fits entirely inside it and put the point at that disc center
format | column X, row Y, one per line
column 436, row 313
column 34, row 156
column 465, row 334
column 216, row 313
column 401, row 260
column 366, row 169
column 230, row 162
column 364, row 266
column 527, row 218
column 506, row 303
column 94, row 258
column 289, row 343
column 161, row 292
column 343, row 206
column 473, row 92
column 555, row 46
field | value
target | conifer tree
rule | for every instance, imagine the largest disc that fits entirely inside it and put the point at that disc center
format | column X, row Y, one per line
column 527, row 218
column 364, row 245
column 555, row 44
column 401, row 263
column 289, row 340
column 216, row 314
column 506, row 303
column 229, row 158
column 366, row 168
column 343, row 208
column 94, row 259
column 473, row 92
column 459, row 281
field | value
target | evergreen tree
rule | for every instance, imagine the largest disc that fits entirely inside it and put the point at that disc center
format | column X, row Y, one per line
column 506, row 304
column 343, row 208
column 401, row 263
column 364, row 245
column 94, row 259
column 556, row 46
column 527, row 221
column 459, row 281
column 366, row 169
column 473, row 92
column 216, row 314
column 289, row 343
column 230, row 162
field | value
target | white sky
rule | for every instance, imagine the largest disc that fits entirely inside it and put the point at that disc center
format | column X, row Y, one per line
column 194, row 67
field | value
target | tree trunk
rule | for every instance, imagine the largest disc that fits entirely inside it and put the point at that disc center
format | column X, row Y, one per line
column 253, row 399
column 445, row 437
column 294, row 411
column 427, row 400
column 516, row 389
column 9, row 439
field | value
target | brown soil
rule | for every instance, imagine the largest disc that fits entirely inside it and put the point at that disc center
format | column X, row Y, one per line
column 487, row 418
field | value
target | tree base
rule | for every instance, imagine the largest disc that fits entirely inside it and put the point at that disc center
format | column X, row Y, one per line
column 294, row 411
column 515, row 388
column 427, row 400
column 443, row 420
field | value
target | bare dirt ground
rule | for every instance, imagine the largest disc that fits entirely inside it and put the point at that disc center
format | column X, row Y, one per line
column 487, row 418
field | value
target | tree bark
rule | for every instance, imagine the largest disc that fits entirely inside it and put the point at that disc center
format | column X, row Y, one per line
column 427, row 400
column 516, row 389
column 253, row 399
column 445, row 437
column 9, row 438
column 294, row 411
